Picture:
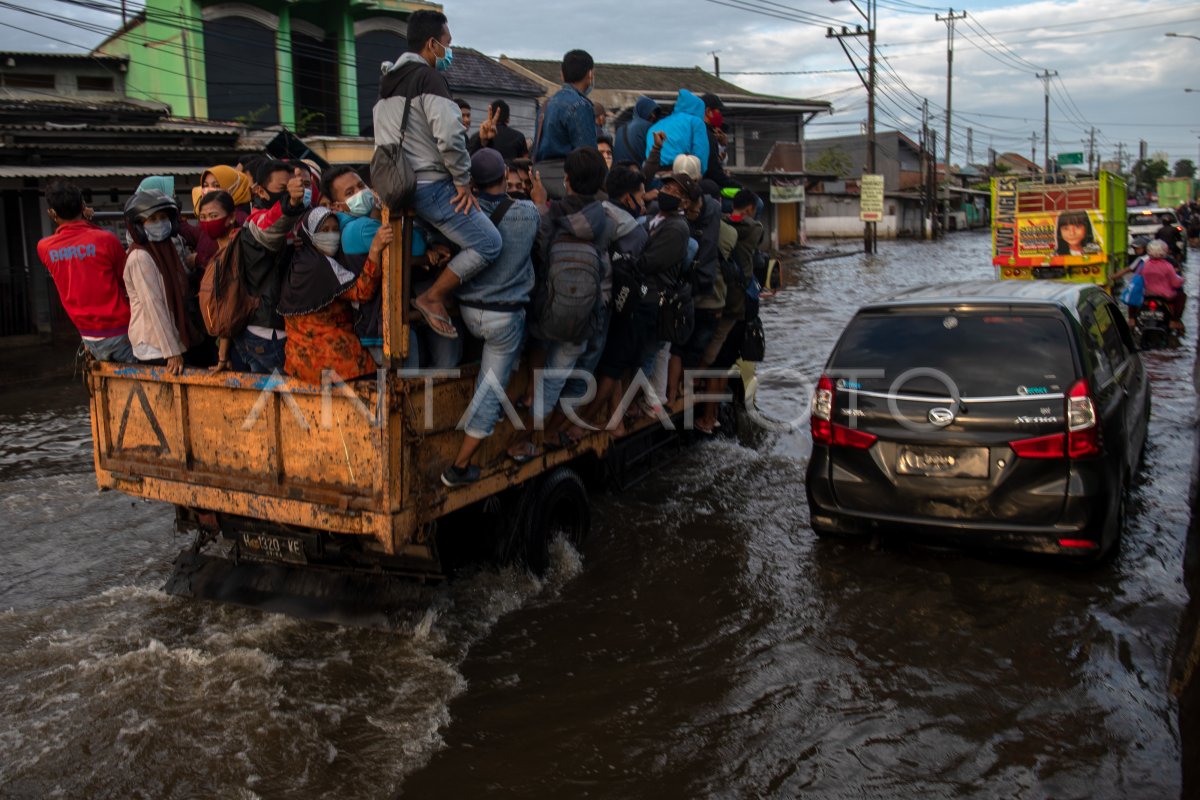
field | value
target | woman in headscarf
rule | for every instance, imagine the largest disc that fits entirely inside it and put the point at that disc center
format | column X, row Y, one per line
column 316, row 298
column 160, row 328
column 225, row 179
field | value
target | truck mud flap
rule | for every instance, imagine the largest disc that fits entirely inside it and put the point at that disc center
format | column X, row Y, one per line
column 635, row 457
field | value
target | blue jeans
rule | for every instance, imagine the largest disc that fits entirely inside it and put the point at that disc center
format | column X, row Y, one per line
column 473, row 232
column 253, row 353
column 560, row 357
column 114, row 348
column 576, row 388
column 503, row 333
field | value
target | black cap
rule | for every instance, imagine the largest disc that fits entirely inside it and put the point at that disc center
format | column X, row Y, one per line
column 685, row 182
column 487, row 167
column 712, row 101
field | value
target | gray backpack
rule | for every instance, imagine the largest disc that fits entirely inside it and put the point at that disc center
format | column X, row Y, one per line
column 569, row 302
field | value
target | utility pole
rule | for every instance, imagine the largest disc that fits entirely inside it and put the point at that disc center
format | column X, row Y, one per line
column 869, row 83
column 1033, row 147
column 1091, row 150
column 716, row 62
column 926, row 226
column 970, row 146
column 1121, row 157
column 949, row 19
column 1046, row 76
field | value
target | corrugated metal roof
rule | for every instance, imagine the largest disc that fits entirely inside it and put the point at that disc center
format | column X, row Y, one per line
column 213, row 130
column 131, row 171
column 84, row 56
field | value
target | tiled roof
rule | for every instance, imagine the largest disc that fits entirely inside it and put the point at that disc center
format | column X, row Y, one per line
column 655, row 80
column 473, row 71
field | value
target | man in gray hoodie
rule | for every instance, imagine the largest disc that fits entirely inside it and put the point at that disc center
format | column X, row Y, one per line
column 435, row 144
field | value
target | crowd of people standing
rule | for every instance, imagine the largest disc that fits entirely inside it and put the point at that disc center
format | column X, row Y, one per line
column 617, row 263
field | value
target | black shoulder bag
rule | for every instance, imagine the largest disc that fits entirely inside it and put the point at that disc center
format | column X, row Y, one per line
column 391, row 176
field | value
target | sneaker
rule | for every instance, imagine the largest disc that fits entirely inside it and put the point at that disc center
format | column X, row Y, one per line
column 453, row 476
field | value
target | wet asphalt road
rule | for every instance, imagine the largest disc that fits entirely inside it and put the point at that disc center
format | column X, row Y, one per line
column 702, row 644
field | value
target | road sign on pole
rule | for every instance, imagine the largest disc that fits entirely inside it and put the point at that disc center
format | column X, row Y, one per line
column 1070, row 159
column 871, row 198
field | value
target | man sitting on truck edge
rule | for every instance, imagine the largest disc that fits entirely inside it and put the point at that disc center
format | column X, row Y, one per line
column 435, row 144
column 87, row 264
column 493, row 301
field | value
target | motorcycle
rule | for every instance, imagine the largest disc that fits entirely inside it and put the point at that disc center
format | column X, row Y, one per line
column 1152, row 325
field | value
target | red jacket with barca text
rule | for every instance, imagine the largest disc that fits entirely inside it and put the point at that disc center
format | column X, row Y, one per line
column 88, row 267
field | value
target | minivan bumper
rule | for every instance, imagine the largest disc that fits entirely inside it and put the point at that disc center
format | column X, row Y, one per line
column 1082, row 524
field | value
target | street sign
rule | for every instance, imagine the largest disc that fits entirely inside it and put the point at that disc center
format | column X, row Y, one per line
column 870, row 201
column 1070, row 159
column 787, row 191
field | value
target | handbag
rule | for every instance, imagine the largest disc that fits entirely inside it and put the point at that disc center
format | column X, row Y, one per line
column 391, row 175
column 1135, row 292
column 754, row 341
column 676, row 315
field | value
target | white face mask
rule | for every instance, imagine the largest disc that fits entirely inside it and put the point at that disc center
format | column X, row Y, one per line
column 157, row 231
column 328, row 243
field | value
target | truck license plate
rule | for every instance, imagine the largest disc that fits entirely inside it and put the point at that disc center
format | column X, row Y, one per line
column 274, row 548
column 943, row 462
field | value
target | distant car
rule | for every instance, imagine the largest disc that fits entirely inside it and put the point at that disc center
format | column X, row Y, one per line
column 1147, row 221
column 1008, row 414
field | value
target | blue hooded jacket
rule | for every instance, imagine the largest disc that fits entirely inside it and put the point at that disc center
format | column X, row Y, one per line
column 630, row 144
column 686, row 132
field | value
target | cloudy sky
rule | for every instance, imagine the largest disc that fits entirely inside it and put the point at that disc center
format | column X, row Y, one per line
column 1117, row 70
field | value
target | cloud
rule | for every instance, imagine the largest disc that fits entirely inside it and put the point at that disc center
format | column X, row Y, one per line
column 1116, row 69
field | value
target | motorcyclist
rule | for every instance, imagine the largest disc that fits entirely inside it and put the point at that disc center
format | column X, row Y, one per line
column 1163, row 282
column 1169, row 233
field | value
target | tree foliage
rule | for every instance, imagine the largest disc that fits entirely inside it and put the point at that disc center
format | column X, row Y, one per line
column 1146, row 172
column 1185, row 168
column 834, row 161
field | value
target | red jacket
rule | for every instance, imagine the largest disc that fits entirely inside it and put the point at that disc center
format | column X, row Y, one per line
column 88, row 267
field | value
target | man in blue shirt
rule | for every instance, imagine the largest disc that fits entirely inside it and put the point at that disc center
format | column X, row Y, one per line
column 569, row 120
column 492, row 301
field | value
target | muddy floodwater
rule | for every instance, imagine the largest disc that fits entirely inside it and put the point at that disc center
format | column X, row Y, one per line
column 703, row 643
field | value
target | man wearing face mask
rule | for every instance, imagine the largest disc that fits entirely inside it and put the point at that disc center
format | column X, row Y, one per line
column 260, row 348
column 357, row 208
column 435, row 143
column 714, row 121
column 568, row 121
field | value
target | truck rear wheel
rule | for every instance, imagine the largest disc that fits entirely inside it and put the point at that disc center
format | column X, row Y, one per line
column 555, row 505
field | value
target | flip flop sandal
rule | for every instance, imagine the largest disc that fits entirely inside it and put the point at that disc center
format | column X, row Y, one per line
column 433, row 319
column 527, row 453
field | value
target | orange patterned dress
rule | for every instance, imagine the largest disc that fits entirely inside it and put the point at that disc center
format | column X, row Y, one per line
column 325, row 339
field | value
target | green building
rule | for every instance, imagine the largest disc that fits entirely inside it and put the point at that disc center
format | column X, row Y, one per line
column 309, row 65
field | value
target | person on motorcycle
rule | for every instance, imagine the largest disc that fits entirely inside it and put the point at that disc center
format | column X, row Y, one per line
column 1169, row 233
column 1163, row 282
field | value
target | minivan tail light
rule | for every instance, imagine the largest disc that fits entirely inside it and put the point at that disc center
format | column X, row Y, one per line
column 822, row 412
column 1053, row 446
column 1083, row 430
column 849, row 437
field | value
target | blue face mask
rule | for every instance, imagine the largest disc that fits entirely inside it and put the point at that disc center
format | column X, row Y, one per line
column 157, row 231
column 445, row 60
column 308, row 197
column 361, row 204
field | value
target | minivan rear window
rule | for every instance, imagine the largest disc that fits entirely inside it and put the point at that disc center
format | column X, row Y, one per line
column 982, row 354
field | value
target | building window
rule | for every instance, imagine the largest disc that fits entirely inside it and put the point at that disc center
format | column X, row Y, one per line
column 26, row 81
column 94, row 83
column 372, row 49
column 239, row 66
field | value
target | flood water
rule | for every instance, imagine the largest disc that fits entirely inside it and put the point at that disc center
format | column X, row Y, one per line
column 703, row 643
